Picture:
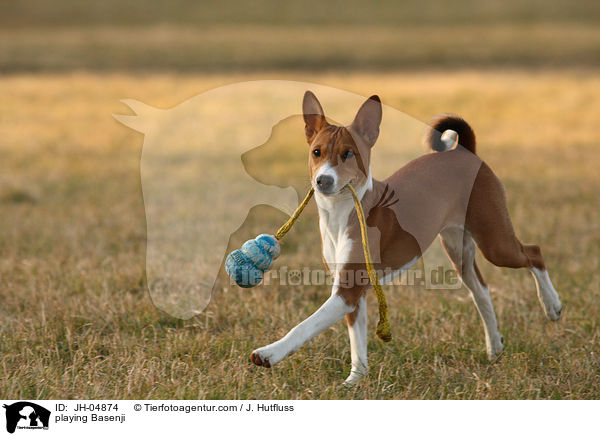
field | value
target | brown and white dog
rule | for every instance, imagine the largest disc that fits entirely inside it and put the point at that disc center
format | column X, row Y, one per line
column 451, row 193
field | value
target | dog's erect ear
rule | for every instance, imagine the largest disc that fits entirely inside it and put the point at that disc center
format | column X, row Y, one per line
column 314, row 117
column 367, row 120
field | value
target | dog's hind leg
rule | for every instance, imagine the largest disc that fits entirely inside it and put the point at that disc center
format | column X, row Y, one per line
column 489, row 221
column 460, row 247
column 512, row 254
column 547, row 295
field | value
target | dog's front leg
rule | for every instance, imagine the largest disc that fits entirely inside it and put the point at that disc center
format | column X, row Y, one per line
column 357, row 330
column 333, row 310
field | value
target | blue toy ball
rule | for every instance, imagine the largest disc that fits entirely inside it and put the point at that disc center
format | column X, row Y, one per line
column 247, row 265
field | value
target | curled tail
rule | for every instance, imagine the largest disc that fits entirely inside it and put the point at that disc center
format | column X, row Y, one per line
column 443, row 131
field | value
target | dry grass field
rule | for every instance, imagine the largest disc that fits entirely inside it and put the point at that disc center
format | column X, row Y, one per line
column 76, row 320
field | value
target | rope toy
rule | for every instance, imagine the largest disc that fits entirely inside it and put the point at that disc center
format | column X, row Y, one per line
column 247, row 265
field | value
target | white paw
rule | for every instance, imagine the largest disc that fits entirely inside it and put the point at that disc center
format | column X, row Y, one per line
column 547, row 295
column 266, row 356
column 552, row 307
column 354, row 377
column 495, row 348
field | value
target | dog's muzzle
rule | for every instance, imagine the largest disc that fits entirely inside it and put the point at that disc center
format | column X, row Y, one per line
column 325, row 183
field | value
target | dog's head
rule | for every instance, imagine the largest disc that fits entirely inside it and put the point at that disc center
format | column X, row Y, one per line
column 340, row 155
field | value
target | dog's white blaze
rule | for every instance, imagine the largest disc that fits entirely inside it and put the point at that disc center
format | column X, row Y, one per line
column 327, row 170
column 547, row 294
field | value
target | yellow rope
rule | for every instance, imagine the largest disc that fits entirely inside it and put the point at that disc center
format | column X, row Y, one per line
column 289, row 223
column 383, row 330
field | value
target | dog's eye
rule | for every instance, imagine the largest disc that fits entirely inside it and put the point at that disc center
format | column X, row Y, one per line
column 348, row 154
column 316, row 152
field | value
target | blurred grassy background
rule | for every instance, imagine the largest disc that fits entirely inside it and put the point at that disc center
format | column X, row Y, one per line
column 76, row 320
column 310, row 35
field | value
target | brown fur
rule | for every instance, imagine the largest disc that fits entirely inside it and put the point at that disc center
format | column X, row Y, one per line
column 488, row 210
column 411, row 207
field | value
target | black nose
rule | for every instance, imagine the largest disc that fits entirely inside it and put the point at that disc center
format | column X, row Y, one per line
column 324, row 182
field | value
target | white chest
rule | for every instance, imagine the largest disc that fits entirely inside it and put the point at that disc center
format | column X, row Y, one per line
column 333, row 223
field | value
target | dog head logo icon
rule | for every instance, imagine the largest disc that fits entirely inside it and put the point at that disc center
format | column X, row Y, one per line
column 26, row 415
